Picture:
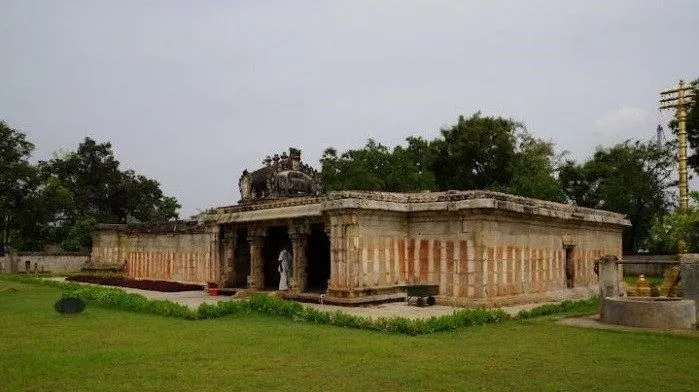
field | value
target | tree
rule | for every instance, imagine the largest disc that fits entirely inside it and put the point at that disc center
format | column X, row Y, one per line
column 533, row 170
column 475, row 153
column 99, row 192
column 667, row 230
column 45, row 216
column 495, row 153
column 92, row 176
column 628, row 178
column 18, row 181
column 374, row 167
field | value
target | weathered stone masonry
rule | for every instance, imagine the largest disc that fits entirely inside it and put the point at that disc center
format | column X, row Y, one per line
column 175, row 251
column 480, row 247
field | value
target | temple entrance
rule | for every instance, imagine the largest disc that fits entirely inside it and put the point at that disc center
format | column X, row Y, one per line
column 318, row 259
column 242, row 259
column 569, row 267
column 276, row 237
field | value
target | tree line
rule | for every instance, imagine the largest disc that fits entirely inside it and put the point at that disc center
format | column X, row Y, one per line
column 479, row 152
column 58, row 201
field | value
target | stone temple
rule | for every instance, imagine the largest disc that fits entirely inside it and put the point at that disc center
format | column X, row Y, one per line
column 479, row 247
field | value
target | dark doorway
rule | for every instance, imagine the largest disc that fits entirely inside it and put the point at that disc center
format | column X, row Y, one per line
column 242, row 259
column 569, row 267
column 276, row 238
column 318, row 260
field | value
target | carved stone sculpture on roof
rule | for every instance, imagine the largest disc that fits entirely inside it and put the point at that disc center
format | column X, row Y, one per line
column 281, row 176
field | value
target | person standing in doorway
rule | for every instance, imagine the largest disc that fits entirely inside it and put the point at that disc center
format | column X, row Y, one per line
column 284, row 264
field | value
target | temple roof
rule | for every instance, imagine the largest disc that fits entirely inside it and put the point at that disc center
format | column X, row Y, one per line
column 283, row 208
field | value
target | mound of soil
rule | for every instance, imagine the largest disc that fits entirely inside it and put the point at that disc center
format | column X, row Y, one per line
column 153, row 285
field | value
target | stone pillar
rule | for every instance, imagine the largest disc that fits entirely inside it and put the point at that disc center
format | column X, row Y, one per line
column 608, row 277
column 257, row 273
column 228, row 257
column 327, row 230
column 214, row 261
column 337, row 276
column 299, row 239
column 344, row 254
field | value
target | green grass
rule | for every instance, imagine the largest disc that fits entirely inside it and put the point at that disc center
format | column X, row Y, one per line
column 102, row 350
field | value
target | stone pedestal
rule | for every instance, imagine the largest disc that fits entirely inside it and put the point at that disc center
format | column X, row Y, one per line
column 689, row 272
column 608, row 277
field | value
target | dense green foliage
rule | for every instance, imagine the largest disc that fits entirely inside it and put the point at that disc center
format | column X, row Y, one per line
column 18, row 179
column 629, row 178
column 58, row 201
column 107, row 350
column 375, row 168
column 667, row 230
column 567, row 307
column 475, row 153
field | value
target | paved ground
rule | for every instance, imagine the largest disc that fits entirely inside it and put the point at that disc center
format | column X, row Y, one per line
column 193, row 299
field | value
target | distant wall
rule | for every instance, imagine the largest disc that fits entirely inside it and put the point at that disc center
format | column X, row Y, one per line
column 649, row 265
column 40, row 261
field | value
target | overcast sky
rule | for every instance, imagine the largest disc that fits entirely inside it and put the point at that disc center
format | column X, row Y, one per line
column 192, row 92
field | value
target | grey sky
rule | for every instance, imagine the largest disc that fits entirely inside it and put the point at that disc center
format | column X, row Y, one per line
column 192, row 92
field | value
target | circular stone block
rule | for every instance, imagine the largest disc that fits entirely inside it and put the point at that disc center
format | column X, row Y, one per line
column 649, row 312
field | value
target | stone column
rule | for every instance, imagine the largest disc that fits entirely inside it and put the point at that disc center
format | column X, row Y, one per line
column 299, row 239
column 228, row 257
column 327, row 228
column 608, row 277
column 257, row 273
column 336, row 237
column 214, row 262
column 344, row 254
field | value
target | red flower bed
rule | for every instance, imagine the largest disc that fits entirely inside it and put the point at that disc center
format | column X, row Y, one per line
column 153, row 285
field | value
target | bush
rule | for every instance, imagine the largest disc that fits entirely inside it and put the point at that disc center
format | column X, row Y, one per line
column 569, row 307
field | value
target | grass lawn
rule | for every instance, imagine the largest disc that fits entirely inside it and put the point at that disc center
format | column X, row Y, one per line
column 104, row 350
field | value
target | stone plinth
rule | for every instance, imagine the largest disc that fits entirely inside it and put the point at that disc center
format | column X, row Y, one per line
column 689, row 271
column 608, row 277
column 660, row 313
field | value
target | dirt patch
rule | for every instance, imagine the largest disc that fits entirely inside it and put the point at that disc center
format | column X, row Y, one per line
column 152, row 285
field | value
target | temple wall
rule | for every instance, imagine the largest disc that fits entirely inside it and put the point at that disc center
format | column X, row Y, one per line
column 190, row 257
column 381, row 239
column 474, row 256
column 525, row 256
